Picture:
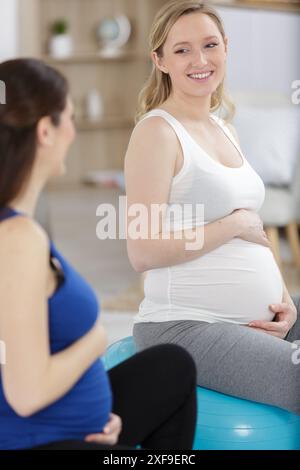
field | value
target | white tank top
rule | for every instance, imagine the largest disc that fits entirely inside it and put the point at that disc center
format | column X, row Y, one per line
column 235, row 282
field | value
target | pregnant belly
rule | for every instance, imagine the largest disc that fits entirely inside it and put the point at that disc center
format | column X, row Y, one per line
column 235, row 283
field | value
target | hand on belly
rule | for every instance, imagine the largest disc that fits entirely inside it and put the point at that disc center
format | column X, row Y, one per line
column 234, row 283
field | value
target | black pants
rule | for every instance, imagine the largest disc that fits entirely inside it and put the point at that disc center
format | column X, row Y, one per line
column 154, row 393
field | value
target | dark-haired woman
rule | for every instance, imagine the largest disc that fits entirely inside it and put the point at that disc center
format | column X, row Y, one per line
column 54, row 392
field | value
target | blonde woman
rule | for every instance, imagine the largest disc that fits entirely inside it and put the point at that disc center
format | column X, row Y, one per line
column 225, row 302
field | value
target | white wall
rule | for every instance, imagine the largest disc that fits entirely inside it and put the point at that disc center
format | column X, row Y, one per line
column 8, row 29
column 263, row 49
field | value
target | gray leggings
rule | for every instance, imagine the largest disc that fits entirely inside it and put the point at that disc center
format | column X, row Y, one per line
column 235, row 359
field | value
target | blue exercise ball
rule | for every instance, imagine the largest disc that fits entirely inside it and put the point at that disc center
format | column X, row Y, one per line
column 228, row 423
column 225, row 422
column 119, row 352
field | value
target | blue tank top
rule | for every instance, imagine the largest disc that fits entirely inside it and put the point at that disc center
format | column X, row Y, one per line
column 72, row 311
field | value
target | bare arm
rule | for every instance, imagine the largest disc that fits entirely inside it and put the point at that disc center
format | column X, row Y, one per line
column 149, row 168
column 32, row 377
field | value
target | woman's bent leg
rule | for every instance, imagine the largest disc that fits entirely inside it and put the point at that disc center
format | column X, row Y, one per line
column 233, row 359
column 154, row 392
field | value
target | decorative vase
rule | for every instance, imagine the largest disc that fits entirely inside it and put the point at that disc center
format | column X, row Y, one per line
column 61, row 46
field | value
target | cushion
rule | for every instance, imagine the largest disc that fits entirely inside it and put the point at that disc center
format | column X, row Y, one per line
column 270, row 140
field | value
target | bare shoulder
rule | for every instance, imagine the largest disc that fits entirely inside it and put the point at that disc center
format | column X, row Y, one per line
column 152, row 151
column 22, row 236
column 155, row 130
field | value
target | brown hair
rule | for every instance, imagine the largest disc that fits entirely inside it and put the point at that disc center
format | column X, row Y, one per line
column 33, row 90
column 158, row 86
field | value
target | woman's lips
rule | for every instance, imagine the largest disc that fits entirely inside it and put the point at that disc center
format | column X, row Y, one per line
column 196, row 77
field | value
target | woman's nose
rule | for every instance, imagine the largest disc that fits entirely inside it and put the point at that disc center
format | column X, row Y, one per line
column 199, row 58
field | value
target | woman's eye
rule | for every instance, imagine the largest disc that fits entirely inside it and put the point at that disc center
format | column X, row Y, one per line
column 180, row 51
column 212, row 44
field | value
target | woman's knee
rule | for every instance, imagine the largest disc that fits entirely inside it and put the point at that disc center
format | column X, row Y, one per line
column 283, row 390
column 173, row 362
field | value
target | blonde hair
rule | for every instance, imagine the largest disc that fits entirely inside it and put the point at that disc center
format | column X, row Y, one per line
column 158, row 86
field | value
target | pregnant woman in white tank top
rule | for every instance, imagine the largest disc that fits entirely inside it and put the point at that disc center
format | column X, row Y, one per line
column 235, row 282
column 180, row 153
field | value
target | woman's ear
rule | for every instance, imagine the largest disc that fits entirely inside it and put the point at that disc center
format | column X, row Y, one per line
column 45, row 132
column 158, row 61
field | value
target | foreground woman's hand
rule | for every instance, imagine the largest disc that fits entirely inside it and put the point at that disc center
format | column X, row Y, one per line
column 285, row 317
column 110, row 434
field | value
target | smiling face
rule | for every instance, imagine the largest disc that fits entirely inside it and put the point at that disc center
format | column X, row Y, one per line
column 194, row 55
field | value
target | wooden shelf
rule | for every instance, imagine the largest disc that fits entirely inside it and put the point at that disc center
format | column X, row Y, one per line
column 93, row 57
column 259, row 5
column 110, row 122
column 119, row 78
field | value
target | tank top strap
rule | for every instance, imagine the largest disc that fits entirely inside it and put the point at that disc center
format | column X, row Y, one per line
column 226, row 130
column 7, row 213
column 176, row 126
column 171, row 121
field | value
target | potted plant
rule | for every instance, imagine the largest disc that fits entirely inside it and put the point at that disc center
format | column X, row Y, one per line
column 61, row 42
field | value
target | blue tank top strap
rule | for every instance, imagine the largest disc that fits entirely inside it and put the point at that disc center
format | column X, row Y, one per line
column 7, row 213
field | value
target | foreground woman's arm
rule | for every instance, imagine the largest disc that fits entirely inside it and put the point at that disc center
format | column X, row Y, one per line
column 149, row 169
column 33, row 378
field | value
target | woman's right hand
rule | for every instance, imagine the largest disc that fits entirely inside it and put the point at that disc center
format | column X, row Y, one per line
column 110, row 433
column 251, row 227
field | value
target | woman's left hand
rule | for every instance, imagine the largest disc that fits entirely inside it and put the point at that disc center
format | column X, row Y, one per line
column 110, row 433
column 285, row 317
